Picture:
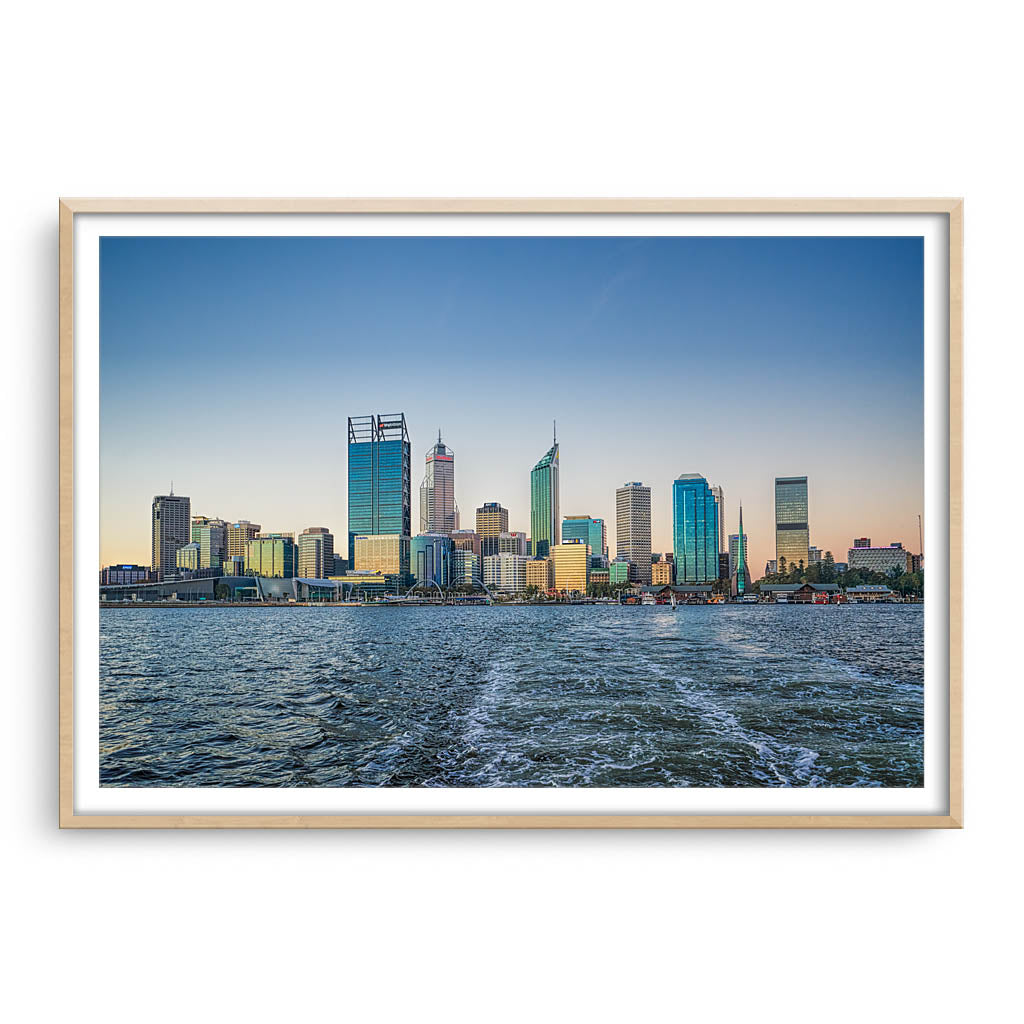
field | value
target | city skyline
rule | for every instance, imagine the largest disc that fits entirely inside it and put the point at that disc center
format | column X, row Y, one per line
column 754, row 313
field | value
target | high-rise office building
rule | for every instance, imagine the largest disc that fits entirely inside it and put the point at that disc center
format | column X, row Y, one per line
column 540, row 574
column 792, row 534
column 386, row 553
column 316, row 553
column 437, row 492
column 505, row 572
column 465, row 567
column 592, row 531
column 739, row 577
column 545, row 515
column 695, row 532
column 212, row 537
column 720, row 502
column 491, row 522
column 431, row 558
column 172, row 522
column 661, row 573
column 271, row 554
column 466, row 540
column 238, row 536
column 633, row 527
column 187, row 557
column 379, row 478
column 572, row 566
column 512, row 542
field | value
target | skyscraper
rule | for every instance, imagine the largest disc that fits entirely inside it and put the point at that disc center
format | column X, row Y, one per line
column 545, row 516
column 172, row 521
column 695, row 530
column 379, row 477
column 437, row 492
column 238, row 536
column 633, row 527
column 590, row 531
column 431, row 559
column 316, row 553
column 792, row 535
column 720, row 502
column 211, row 536
column 271, row 554
column 491, row 522
column 739, row 578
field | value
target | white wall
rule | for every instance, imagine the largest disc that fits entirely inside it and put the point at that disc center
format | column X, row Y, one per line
column 528, row 99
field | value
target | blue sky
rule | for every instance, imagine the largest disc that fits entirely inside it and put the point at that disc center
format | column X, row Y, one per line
column 230, row 365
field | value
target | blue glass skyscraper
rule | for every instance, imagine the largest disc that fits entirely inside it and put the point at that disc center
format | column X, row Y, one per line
column 694, row 529
column 379, row 477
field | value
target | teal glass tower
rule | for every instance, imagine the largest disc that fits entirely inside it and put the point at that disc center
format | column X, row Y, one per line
column 694, row 529
column 590, row 531
column 545, row 521
column 379, row 477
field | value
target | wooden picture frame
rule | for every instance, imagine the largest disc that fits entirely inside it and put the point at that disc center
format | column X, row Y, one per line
column 949, row 208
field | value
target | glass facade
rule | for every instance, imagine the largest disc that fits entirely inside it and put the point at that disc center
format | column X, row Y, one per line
column 694, row 530
column 545, row 518
column 465, row 567
column 316, row 553
column 572, row 566
column 590, row 531
column 386, row 553
column 379, row 477
column 792, row 534
column 271, row 554
column 431, row 559
column 211, row 536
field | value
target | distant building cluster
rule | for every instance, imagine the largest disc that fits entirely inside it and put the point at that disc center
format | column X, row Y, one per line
column 565, row 555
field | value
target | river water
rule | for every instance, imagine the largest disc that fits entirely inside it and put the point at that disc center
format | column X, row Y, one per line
column 767, row 695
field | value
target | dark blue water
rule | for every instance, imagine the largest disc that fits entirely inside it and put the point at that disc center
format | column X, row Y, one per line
column 512, row 696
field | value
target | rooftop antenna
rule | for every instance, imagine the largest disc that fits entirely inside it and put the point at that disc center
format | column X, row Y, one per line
column 554, row 432
column 172, row 489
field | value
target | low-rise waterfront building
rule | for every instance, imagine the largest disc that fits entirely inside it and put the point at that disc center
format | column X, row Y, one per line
column 869, row 593
column 113, row 575
column 599, row 577
column 693, row 593
column 800, row 593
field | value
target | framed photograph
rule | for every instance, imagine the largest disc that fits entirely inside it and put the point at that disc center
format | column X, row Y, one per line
column 510, row 513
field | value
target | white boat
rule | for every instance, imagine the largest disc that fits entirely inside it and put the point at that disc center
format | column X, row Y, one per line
column 648, row 599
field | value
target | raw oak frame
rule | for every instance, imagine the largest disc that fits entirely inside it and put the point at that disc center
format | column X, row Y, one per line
column 952, row 208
